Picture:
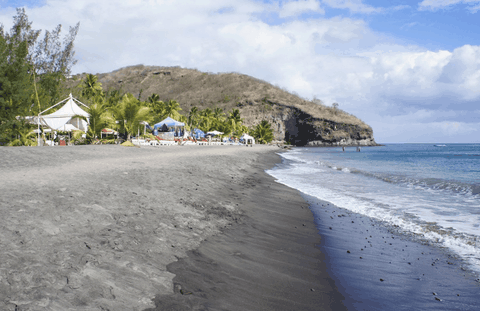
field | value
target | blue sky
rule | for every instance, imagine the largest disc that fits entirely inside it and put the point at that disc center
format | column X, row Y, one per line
column 410, row 69
column 445, row 27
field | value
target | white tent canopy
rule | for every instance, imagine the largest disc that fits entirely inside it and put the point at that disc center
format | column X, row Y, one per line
column 63, row 119
column 247, row 139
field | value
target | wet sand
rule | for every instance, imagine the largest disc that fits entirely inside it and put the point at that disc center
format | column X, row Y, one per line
column 376, row 267
column 180, row 228
column 271, row 261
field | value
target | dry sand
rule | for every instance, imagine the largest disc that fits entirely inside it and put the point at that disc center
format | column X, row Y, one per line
column 95, row 227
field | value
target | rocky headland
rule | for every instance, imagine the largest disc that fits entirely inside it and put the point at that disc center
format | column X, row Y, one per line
column 294, row 120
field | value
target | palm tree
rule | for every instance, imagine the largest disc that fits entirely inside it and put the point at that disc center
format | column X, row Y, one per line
column 207, row 118
column 172, row 109
column 206, row 113
column 153, row 98
column 26, row 137
column 224, row 126
column 91, row 87
column 113, row 97
column 193, row 117
column 98, row 117
column 129, row 113
column 235, row 120
column 263, row 132
column 218, row 114
column 157, row 107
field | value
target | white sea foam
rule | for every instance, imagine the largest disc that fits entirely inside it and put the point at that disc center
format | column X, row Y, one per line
column 423, row 212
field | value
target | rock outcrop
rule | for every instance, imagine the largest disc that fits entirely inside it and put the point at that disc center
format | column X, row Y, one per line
column 292, row 125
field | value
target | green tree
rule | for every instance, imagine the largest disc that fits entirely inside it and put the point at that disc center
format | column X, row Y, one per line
column 193, row 117
column 129, row 113
column 91, row 88
column 157, row 107
column 184, row 119
column 98, row 117
column 242, row 129
column 172, row 109
column 224, row 126
column 263, row 132
column 218, row 114
column 53, row 60
column 16, row 88
column 236, row 121
column 113, row 97
column 23, row 63
column 206, row 120
column 26, row 137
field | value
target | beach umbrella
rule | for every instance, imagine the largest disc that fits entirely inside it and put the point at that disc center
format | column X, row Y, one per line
column 213, row 133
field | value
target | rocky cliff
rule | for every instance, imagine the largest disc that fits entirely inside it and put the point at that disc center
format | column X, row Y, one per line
column 297, row 127
column 294, row 119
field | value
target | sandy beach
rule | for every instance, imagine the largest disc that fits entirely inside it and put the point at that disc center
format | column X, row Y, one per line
column 155, row 228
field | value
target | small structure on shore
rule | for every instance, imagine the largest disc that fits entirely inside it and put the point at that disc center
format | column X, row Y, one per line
column 66, row 118
column 247, row 139
column 170, row 124
column 108, row 131
column 70, row 117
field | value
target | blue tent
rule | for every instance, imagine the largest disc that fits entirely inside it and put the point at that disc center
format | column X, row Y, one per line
column 198, row 133
column 169, row 122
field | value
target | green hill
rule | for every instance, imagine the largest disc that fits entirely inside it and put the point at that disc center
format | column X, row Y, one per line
column 294, row 119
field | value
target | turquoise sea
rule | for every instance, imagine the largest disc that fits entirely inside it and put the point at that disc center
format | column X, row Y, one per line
column 429, row 192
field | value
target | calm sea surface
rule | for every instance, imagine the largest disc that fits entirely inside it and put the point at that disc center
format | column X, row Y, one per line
column 429, row 192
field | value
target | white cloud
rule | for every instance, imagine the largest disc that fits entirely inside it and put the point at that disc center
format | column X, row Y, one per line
column 295, row 8
column 441, row 4
column 355, row 6
column 474, row 9
column 390, row 86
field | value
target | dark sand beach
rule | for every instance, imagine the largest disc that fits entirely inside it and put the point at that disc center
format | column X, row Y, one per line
column 377, row 267
column 179, row 228
column 270, row 262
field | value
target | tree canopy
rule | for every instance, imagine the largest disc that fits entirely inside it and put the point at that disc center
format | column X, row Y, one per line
column 263, row 132
column 31, row 72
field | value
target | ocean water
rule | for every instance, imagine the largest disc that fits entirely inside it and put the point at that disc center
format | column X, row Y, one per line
column 430, row 193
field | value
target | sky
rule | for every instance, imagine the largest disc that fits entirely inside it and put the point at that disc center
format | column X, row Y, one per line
column 408, row 68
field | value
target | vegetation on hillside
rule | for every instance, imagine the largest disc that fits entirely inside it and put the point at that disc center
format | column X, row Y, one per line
column 127, row 114
column 193, row 88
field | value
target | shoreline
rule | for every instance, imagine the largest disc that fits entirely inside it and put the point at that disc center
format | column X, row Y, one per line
column 378, row 268
column 269, row 261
